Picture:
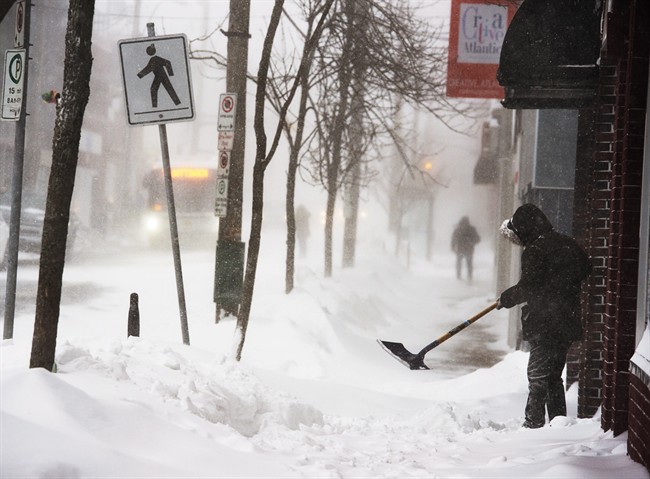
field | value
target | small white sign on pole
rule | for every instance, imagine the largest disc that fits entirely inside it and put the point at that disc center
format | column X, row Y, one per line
column 226, row 140
column 223, row 168
column 156, row 78
column 227, row 111
column 12, row 91
column 221, row 203
column 19, row 33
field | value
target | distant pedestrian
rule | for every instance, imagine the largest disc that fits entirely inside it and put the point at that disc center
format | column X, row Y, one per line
column 552, row 268
column 302, row 229
column 463, row 240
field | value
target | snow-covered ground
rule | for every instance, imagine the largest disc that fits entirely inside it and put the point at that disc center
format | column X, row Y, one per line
column 314, row 396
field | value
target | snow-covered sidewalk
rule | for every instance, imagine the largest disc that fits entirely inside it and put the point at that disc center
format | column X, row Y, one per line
column 313, row 397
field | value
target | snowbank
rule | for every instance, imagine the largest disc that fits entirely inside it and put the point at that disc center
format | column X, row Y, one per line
column 314, row 396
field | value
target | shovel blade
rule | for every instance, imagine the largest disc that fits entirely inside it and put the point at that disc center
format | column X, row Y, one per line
column 403, row 355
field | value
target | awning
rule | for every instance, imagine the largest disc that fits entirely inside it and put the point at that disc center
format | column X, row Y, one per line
column 550, row 53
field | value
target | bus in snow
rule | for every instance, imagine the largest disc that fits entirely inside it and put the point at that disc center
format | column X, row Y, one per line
column 194, row 199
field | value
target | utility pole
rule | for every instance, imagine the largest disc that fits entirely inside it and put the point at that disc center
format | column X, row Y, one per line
column 229, row 268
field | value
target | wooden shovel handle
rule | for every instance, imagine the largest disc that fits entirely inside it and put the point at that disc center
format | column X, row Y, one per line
column 457, row 329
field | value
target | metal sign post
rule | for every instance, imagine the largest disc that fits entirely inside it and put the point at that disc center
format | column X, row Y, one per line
column 173, row 229
column 148, row 67
column 13, row 70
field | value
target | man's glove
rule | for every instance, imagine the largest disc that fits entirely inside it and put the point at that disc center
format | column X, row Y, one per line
column 508, row 298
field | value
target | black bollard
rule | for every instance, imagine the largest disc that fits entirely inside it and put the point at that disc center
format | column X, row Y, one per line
column 134, row 317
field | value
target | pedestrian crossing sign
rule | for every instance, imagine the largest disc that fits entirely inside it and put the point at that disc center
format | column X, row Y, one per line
column 156, row 78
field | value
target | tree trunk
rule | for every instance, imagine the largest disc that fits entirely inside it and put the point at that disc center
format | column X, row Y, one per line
column 292, row 170
column 290, row 211
column 430, row 205
column 65, row 150
column 333, row 171
column 262, row 159
column 258, row 180
column 351, row 210
column 329, row 231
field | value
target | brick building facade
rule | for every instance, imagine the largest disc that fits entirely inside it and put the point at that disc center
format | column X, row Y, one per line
column 613, row 204
column 611, row 200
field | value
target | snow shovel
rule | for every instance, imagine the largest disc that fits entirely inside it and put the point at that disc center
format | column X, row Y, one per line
column 416, row 361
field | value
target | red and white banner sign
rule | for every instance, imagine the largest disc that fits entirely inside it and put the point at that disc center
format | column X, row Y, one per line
column 476, row 34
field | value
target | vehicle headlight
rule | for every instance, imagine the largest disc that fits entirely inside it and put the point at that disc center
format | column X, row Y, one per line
column 152, row 223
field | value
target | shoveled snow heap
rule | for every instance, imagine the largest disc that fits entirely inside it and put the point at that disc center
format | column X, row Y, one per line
column 313, row 397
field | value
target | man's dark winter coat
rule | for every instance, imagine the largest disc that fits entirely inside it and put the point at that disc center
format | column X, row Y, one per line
column 552, row 268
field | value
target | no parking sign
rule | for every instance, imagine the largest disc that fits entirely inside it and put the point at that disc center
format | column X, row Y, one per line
column 223, row 169
column 227, row 110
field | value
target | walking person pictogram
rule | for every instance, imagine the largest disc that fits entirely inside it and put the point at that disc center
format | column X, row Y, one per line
column 162, row 70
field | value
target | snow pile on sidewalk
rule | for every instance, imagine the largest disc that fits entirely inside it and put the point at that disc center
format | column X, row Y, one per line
column 134, row 408
column 313, row 397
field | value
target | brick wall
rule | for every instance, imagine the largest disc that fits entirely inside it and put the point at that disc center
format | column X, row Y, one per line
column 597, row 223
column 627, row 164
column 639, row 436
column 613, row 204
column 638, row 419
column 613, row 200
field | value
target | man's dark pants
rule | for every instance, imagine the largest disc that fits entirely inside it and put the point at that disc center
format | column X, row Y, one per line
column 545, row 386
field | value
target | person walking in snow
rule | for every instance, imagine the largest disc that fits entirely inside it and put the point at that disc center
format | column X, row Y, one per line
column 552, row 268
column 463, row 240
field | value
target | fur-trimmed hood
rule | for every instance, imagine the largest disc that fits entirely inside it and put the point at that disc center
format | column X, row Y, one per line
column 528, row 223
